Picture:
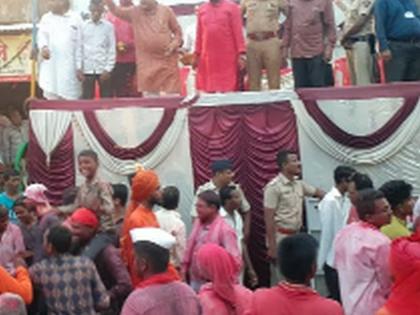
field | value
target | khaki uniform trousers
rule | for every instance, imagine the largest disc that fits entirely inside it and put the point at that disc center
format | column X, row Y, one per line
column 360, row 62
column 275, row 274
column 264, row 54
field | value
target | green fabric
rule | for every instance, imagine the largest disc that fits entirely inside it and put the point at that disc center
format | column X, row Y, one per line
column 20, row 155
column 397, row 228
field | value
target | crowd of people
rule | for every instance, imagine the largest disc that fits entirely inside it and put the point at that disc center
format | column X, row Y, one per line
column 109, row 249
column 230, row 41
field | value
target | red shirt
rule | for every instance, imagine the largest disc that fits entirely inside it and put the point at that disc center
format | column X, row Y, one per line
column 288, row 299
column 123, row 34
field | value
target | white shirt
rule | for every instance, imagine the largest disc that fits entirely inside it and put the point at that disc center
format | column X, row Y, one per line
column 236, row 223
column 62, row 35
column 416, row 210
column 170, row 221
column 99, row 52
column 334, row 211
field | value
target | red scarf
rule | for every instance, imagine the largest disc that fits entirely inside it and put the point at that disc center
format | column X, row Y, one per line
column 160, row 278
column 405, row 267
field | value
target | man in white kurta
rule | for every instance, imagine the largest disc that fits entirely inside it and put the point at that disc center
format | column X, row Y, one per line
column 60, row 45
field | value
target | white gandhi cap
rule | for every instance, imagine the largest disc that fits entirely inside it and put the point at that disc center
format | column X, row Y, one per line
column 153, row 235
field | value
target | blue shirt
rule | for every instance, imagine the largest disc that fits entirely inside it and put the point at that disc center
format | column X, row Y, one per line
column 396, row 20
column 8, row 203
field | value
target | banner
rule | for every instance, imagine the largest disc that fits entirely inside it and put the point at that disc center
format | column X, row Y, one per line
column 15, row 57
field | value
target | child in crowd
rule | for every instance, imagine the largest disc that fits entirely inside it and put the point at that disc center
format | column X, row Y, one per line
column 96, row 195
column 12, row 182
column 119, row 198
column 98, row 53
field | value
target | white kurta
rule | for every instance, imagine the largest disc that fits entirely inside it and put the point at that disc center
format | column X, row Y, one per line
column 62, row 35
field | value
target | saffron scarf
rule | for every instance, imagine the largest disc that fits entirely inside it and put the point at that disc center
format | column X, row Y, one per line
column 160, row 278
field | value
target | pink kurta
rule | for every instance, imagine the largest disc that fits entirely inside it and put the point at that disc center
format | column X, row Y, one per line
column 287, row 299
column 218, row 232
column 362, row 261
column 153, row 33
column 212, row 304
column 219, row 42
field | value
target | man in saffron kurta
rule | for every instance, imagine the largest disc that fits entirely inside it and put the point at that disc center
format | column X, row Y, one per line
column 145, row 193
column 157, row 37
column 220, row 46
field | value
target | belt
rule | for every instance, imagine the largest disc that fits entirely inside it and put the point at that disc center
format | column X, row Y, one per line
column 260, row 36
column 408, row 41
column 361, row 38
column 286, row 231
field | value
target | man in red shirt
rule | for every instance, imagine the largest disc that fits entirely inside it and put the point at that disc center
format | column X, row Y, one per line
column 125, row 68
column 297, row 263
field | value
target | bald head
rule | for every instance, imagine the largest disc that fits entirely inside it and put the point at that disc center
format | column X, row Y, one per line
column 59, row 7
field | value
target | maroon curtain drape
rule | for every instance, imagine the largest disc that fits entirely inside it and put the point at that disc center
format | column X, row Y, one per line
column 139, row 151
column 250, row 136
column 360, row 142
column 57, row 176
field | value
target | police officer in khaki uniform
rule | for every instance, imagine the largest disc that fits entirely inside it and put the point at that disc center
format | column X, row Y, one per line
column 263, row 44
column 223, row 176
column 283, row 205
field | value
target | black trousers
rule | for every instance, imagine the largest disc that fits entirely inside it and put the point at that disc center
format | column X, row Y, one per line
column 123, row 79
column 89, row 87
column 331, row 279
column 405, row 62
column 309, row 72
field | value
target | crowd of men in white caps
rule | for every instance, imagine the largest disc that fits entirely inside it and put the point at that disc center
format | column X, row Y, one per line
column 100, row 253
column 107, row 48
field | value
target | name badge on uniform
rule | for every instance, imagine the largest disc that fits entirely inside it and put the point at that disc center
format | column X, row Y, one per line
column 409, row 15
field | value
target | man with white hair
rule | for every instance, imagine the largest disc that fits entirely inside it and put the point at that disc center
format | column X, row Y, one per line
column 11, row 304
column 60, row 45
column 160, row 292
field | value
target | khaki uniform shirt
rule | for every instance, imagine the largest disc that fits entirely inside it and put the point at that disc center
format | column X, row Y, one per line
column 357, row 9
column 262, row 15
column 211, row 186
column 286, row 198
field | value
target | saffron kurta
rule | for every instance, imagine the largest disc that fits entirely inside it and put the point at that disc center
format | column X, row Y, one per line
column 153, row 33
column 141, row 217
column 219, row 43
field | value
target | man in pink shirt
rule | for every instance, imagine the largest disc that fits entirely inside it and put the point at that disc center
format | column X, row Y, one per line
column 11, row 241
column 294, row 296
column 310, row 35
column 362, row 256
column 125, row 68
column 209, row 228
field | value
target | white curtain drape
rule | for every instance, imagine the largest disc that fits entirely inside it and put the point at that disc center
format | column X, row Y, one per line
column 396, row 158
column 125, row 167
column 49, row 127
column 372, row 156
